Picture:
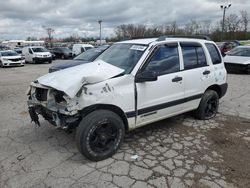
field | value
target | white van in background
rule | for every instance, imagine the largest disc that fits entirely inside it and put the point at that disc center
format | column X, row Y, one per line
column 36, row 54
column 79, row 48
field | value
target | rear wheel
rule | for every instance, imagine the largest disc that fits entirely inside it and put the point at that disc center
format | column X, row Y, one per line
column 100, row 134
column 208, row 105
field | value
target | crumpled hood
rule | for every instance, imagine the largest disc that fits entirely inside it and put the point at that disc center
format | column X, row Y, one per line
column 236, row 59
column 71, row 80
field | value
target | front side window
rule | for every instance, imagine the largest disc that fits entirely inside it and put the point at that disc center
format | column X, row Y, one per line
column 214, row 53
column 165, row 60
column 193, row 57
column 123, row 55
column 82, row 49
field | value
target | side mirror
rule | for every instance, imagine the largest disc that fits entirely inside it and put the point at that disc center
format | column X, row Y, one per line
column 147, row 76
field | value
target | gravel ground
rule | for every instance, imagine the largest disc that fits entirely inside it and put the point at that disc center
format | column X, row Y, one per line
column 177, row 152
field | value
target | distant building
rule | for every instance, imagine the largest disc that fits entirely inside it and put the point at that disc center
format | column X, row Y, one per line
column 102, row 42
column 20, row 43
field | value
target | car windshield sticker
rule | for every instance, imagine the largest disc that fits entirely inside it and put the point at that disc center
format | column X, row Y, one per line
column 138, row 47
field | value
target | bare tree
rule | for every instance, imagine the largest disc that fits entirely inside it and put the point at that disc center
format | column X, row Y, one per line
column 205, row 27
column 232, row 24
column 244, row 21
column 173, row 28
column 49, row 31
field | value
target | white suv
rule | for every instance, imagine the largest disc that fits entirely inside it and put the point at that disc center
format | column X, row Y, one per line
column 133, row 83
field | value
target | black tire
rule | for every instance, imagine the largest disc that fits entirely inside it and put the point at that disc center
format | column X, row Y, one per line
column 50, row 61
column 208, row 106
column 1, row 64
column 100, row 134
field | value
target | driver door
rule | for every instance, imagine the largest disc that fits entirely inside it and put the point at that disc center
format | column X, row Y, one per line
column 162, row 98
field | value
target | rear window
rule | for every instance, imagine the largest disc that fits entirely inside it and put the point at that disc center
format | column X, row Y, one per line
column 214, row 53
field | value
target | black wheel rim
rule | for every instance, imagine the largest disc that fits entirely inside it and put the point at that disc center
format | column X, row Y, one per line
column 104, row 137
column 211, row 108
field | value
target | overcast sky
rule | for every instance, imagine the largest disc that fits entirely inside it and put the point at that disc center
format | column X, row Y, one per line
column 22, row 18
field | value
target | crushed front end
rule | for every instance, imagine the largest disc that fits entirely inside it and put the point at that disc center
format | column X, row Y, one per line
column 53, row 105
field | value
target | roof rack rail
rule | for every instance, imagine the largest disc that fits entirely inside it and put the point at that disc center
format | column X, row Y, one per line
column 162, row 38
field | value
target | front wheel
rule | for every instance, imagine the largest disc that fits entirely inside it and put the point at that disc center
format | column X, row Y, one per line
column 209, row 105
column 100, row 134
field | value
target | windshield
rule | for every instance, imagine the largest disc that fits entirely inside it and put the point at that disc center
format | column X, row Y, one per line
column 89, row 55
column 9, row 53
column 39, row 50
column 245, row 52
column 124, row 56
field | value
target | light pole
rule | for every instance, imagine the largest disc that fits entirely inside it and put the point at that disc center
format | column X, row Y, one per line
column 224, row 8
column 100, row 23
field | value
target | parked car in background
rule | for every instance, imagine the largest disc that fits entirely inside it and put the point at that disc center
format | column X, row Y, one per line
column 61, row 52
column 238, row 59
column 18, row 50
column 36, row 54
column 84, row 57
column 226, row 46
column 79, row 48
column 131, row 84
column 2, row 47
column 11, row 58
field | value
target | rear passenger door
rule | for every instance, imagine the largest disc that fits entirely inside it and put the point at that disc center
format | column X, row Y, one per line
column 215, row 59
column 197, row 73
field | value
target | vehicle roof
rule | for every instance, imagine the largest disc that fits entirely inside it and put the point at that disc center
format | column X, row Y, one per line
column 154, row 40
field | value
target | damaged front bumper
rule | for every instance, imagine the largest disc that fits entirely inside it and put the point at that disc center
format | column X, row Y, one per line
column 51, row 104
column 56, row 119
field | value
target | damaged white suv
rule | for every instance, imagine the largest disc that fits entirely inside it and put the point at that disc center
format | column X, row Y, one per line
column 133, row 83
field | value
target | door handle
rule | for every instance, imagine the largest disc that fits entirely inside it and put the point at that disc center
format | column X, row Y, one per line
column 206, row 72
column 177, row 79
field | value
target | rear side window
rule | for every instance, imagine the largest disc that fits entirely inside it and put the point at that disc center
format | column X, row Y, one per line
column 193, row 56
column 214, row 53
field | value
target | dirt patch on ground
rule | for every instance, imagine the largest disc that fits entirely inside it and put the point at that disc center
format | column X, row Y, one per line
column 230, row 141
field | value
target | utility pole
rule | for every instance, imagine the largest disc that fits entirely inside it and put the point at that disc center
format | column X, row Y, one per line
column 224, row 8
column 100, row 23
